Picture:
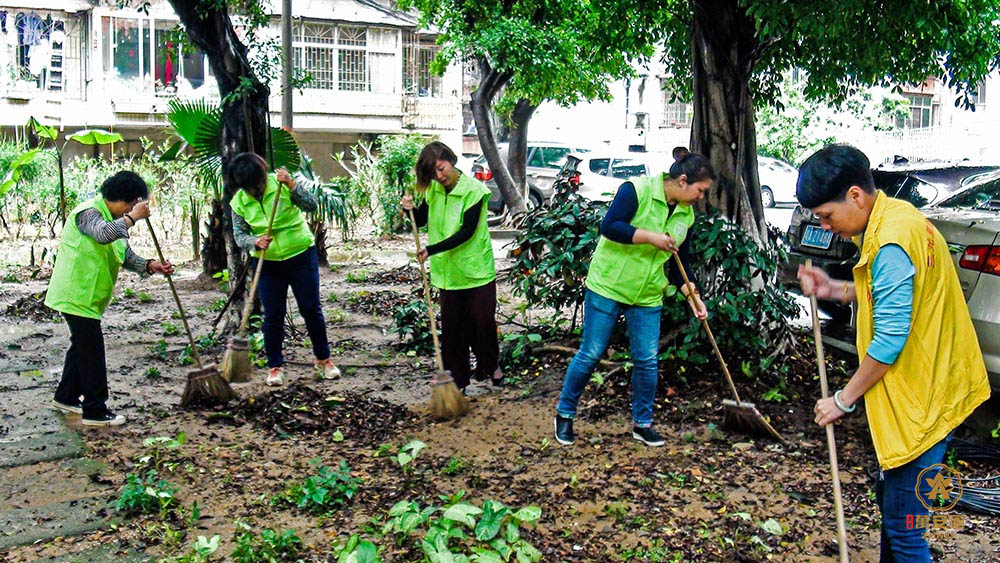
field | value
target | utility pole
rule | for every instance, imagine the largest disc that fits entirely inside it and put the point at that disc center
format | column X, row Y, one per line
column 286, row 66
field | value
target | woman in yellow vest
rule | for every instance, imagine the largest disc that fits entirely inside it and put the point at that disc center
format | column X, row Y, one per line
column 92, row 248
column 461, row 255
column 290, row 260
column 648, row 219
column 921, row 372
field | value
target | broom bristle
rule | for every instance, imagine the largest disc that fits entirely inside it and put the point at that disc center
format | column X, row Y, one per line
column 447, row 401
column 235, row 363
column 206, row 387
column 745, row 418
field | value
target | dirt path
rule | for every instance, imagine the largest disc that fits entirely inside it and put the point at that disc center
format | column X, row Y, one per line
column 704, row 496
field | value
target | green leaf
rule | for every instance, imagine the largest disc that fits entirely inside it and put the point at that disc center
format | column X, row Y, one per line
column 93, row 137
column 174, row 151
column 463, row 512
column 44, row 131
column 286, row 150
column 772, row 526
column 528, row 514
column 367, row 552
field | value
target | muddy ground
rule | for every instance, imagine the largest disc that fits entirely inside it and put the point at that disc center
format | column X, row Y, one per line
column 705, row 496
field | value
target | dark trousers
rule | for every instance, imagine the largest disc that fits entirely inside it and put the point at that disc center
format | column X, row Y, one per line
column 84, row 372
column 468, row 320
column 301, row 273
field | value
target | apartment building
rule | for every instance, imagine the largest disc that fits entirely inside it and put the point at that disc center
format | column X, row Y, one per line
column 76, row 64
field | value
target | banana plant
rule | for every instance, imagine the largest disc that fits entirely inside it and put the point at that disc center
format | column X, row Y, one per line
column 89, row 137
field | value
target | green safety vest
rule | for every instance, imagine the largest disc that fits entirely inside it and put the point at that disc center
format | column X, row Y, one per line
column 471, row 263
column 290, row 234
column 633, row 274
column 84, row 275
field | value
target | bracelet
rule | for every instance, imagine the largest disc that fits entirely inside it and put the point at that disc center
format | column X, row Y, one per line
column 130, row 219
column 148, row 262
column 845, row 291
column 840, row 405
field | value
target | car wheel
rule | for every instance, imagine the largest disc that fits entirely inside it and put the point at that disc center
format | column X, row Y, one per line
column 534, row 200
column 766, row 196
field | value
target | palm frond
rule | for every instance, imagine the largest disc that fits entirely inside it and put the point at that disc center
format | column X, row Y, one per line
column 286, row 150
column 185, row 116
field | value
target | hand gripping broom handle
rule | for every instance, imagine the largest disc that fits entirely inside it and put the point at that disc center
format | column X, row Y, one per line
column 177, row 299
column 704, row 323
column 242, row 330
column 831, row 442
column 427, row 294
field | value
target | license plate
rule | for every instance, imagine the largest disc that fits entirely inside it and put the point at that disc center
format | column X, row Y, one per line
column 817, row 237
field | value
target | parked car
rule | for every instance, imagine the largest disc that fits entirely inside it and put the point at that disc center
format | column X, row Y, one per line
column 777, row 181
column 923, row 185
column 969, row 220
column 597, row 176
column 544, row 161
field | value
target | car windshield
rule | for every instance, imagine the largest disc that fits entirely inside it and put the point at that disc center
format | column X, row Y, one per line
column 984, row 196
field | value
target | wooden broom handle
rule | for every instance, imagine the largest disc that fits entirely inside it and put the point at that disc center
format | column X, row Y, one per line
column 831, row 442
column 248, row 306
column 708, row 331
column 427, row 293
column 177, row 299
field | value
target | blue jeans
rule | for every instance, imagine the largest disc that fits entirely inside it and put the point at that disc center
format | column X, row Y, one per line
column 894, row 492
column 301, row 273
column 600, row 316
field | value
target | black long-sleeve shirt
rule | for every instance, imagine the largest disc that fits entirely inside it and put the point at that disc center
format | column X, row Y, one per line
column 617, row 226
column 470, row 220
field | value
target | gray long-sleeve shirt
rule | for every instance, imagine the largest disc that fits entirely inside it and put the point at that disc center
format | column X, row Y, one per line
column 92, row 223
column 243, row 234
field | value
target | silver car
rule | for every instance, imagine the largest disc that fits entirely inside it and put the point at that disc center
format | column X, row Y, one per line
column 970, row 222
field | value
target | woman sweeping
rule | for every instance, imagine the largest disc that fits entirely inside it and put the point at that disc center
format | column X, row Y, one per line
column 648, row 219
column 461, row 255
column 290, row 260
column 92, row 248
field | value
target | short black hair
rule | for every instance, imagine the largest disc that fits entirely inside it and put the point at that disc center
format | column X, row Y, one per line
column 124, row 186
column 691, row 164
column 427, row 162
column 248, row 170
column 830, row 172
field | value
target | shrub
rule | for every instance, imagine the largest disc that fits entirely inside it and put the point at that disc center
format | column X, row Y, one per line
column 323, row 492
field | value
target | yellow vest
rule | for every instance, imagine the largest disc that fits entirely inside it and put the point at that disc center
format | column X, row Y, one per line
column 940, row 377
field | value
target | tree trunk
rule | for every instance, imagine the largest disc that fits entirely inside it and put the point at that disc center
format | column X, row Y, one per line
column 195, row 229
column 319, row 230
column 213, row 249
column 491, row 81
column 244, row 115
column 723, row 47
column 517, row 149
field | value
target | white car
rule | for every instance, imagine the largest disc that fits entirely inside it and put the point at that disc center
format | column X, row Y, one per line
column 598, row 176
column 970, row 222
column 777, row 181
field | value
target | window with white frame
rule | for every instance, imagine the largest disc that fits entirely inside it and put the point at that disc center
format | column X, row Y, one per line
column 142, row 54
column 979, row 94
column 418, row 52
column 347, row 57
column 675, row 113
column 923, row 112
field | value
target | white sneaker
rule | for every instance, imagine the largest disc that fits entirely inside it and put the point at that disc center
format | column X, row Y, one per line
column 70, row 409
column 326, row 369
column 107, row 418
column 274, row 377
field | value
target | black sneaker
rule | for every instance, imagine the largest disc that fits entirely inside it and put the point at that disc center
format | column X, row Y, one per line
column 647, row 436
column 69, row 408
column 106, row 418
column 564, row 430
